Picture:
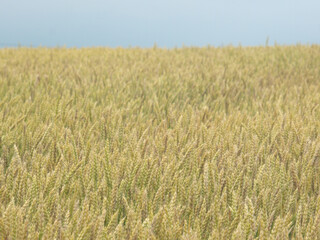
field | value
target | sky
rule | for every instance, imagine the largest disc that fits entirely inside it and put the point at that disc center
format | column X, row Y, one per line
column 166, row 23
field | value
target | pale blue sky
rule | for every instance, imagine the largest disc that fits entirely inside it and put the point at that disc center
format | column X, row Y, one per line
column 82, row 23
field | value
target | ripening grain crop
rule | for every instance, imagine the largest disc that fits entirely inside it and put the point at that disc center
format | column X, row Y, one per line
column 191, row 143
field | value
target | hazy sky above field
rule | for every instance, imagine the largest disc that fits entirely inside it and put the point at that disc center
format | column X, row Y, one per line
column 168, row 23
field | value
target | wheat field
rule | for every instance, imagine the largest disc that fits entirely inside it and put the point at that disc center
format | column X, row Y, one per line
column 186, row 143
